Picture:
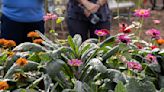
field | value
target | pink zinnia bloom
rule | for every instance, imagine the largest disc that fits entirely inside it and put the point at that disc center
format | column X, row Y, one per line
column 102, row 32
column 156, row 21
column 75, row 62
column 124, row 38
column 142, row 13
column 134, row 66
column 151, row 58
column 153, row 32
column 123, row 26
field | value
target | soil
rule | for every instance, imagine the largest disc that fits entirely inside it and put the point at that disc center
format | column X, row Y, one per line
column 157, row 14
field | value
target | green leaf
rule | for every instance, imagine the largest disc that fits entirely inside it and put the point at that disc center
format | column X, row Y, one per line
column 161, row 81
column 138, row 57
column 91, row 40
column 27, row 46
column 44, row 57
column 135, row 85
column 162, row 90
column 120, row 87
column 115, row 75
column 111, row 52
column 84, row 48
column 77, row 40
column 86, row 56
column 108, row 42
column 71, row 43
column 81, row 87
column 25, row 90
column 3, row 57
column 35, row 83
column 34, row 57
column 54, row 67
column 98, row 65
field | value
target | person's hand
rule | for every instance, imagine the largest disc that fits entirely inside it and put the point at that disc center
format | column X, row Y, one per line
column 87, row 13
column 101, row 2
column 91, row 6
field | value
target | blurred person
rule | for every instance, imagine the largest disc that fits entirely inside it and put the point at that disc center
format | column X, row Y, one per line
column 86, row 16
column 154, row 4
column 19, row 17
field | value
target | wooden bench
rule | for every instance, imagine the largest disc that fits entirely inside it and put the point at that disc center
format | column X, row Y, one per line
column 114, row 5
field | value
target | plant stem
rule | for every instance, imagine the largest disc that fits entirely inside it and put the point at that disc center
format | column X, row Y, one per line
column 140, row 30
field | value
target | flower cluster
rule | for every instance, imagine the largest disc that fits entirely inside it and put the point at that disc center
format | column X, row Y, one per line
column 134, row 66
column 7, row 43
column 3, row 85
column 21, row 62
column 50, row 16
column 143, row 13
column 75, row 62
column 38, row 41
column 33, row 34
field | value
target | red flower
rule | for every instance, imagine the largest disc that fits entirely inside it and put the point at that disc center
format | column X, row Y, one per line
column 153, row 47
column 123, row 26
column 139, row 46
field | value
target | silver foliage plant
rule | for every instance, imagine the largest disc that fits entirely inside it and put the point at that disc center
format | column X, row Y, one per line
column 88, row 66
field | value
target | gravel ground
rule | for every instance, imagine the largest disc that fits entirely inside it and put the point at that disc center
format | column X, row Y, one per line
column 148, row 23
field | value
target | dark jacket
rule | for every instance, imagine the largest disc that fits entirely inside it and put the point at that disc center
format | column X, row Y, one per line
column 76, row 12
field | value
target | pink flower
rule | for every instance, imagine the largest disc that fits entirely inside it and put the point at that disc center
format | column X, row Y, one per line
column 123, row 26
column 134, row 66
column 50, row 16
column 151, row 58
column 75, row 62
column 142, row 13
column 153, row 32
column 124, row 38
column 156, row 21
column 102, row 32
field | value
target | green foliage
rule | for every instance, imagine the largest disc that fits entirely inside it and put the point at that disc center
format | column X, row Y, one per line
column 103, row 66
column 120, row 87
column 138, row 86
column 110, row 53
